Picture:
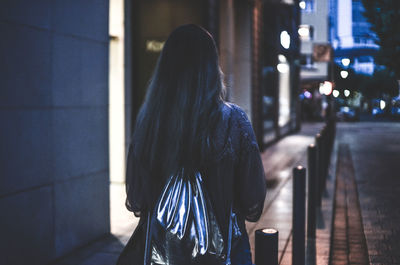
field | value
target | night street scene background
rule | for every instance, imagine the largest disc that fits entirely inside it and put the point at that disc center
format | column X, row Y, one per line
column 319, row 80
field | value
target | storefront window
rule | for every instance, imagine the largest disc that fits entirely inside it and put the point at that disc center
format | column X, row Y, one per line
column 153, row 21
column 284, row 90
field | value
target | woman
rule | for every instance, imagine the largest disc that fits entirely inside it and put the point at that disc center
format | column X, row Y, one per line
column 184, row 122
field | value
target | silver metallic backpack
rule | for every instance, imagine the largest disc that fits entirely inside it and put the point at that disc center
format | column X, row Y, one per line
column 182, row 229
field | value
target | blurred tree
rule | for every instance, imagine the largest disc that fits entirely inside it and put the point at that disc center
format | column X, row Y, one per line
column 384, row 16
column 368, row 90
column 350, row 82
column 381, row 83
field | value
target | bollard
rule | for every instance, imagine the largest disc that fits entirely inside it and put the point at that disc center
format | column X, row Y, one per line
column 322, row 162
column 299, row 209
column 318, row 141
column 324, row 158
column 328, row 135
column 266, row 246
column 332, row 129
column 312, row 190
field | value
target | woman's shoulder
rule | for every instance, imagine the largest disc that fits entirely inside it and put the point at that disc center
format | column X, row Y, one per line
column 237, row 115
column 227, row 132
column 242, row 129
column 233, row 133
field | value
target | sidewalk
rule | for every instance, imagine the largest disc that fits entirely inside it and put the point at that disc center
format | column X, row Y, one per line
column 279, row 160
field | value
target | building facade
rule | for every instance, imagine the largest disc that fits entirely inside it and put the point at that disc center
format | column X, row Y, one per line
column 314, row 33
column 352, row 37
column 54, row 184
column 280, row 72
column 316, row 58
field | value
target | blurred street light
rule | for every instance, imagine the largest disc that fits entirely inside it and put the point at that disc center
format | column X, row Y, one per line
column 346, row 61
column 285, row 39
column 282, row 58
column 346, row 93
column 307, row 94
column 283, row 68
column 304, row 32
column 325, row 88
column 344, row 74
column 302, row 4
column 335, row 93
column 382, row 104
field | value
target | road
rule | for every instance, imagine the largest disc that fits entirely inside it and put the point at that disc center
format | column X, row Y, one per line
column 374, row 151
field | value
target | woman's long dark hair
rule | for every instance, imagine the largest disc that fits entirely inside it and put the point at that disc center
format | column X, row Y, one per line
column 182, row 106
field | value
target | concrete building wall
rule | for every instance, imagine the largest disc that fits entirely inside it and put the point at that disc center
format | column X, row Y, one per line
column 344, row 23
column 235, row 51
column 54, row 192
column 319, row 20
column 240, row 30
column 257, row 53
column 241, row 91
column 226, row 44
column 117, row 106
column 239, row 37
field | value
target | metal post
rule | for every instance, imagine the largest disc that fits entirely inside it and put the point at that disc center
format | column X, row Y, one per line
column 299, row 214
column 266, row 246
column 325, row 151
column 319, row 166
column 329, row 139
column 312, row 191
column 329, row 145
column 323, row 159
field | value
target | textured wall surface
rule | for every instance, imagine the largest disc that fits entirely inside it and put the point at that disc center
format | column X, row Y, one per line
column 54, row 192
column 241, row 91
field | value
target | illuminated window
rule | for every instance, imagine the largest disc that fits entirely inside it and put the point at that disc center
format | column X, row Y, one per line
column 307, row 5
column 306, row 32
column 285, row 39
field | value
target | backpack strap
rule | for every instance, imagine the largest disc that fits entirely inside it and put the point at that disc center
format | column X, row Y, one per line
column 229, row 246
column 146, row 259
column 229, row 243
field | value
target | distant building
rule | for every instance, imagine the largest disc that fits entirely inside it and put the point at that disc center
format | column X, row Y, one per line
column 316, row 58
column 314, row 37
column 351, row 36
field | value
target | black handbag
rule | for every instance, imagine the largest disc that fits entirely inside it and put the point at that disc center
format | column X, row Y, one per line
column 182, row 228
